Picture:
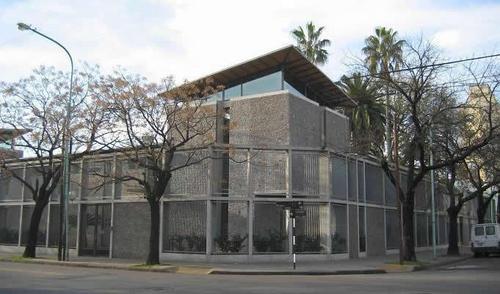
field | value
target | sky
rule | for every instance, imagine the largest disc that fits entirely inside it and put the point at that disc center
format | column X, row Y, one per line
column 193, row 38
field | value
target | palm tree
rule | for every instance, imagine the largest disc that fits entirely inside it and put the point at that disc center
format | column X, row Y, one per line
column 367, row 117
column 383, row 54
column 310, row 44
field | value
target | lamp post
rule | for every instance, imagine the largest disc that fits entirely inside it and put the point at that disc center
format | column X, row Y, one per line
column 433, row 204
column 24, row 27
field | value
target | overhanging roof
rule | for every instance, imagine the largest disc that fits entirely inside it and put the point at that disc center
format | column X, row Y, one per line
column 299, row 71
column 7, row 134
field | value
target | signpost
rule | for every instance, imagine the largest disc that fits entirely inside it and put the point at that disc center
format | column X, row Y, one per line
column 295, row 209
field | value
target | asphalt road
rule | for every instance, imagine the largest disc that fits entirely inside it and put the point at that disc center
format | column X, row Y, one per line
column 471, row 276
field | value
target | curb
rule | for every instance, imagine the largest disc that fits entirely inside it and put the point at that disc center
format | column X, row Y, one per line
column 291, row 272
column 439, row 264
column 163, row 269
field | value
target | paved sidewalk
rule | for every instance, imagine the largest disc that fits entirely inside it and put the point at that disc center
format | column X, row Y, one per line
column 369, row 265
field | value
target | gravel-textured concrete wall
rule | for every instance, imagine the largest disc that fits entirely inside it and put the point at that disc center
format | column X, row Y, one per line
column 305, row 123
column 337, row 132
column 375, row 231
column 131, row 230
column 260, row 121
column 353, row 231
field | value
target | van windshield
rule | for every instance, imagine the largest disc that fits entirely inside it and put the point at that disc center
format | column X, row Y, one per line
column 490, row 230
column 479, row 231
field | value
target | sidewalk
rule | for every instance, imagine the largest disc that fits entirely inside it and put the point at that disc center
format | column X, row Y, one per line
column 369, row 265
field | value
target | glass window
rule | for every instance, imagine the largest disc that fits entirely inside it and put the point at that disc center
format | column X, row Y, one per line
column 292, row 90
column 9, row 224
column 184, row 226
column 390, row 191
column 230, row 173
column 214, row 97
column 490, row 230
column 270, row 233
column 422, row 230
column 312, row 229
column 338, row 223
column 232, row 92
column 479, row 231
column 362, row 232
column 339, row 178
column 361, row 182
column 192, row 177
column 305, row 173
column 54, row 225
column 374, row 191
column 10, row 188
column 129, row 188
column 269, row 83
column 33, row 175
column 230, row 227
column 443, row 237
column 353, row 183
column 392, row 229
column 42, row 227
column 269, row 170
column 97, row 179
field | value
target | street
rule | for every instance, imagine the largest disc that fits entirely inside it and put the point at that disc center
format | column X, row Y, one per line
column 470, row 276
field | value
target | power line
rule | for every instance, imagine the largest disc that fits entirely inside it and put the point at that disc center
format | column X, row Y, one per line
column 428, row 65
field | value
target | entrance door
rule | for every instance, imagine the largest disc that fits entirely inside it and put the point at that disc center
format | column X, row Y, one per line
column 95, row 229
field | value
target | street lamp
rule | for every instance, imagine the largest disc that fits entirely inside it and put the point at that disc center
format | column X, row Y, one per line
column 24, row 27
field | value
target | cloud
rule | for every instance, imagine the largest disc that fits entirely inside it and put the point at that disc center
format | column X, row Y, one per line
column 189, row 39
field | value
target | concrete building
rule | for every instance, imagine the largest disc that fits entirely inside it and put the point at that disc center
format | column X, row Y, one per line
column 7, row 142
column 293, row 144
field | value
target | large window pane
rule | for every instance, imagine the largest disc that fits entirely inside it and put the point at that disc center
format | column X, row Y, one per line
column 362, row 231
column 442, row 237
column 361, row 181
column 230, row 227
column 390, row 191
column 392, row 229
column 269, row 170
column 306, row 173
column 192, row 176
column 269, row 228
column 33, row 175
column 353, row 183
column 54, row 225
column 230, row 173
column 42, row 227
column 10, row 188
column 420, row 196
column 312, row 230
column 422, row 230
column 9, row 224
column 339, row 178
column 125, row 189
column 374, row 191
column 97, row 180
column 232, row 92
column 292, row 90
column 263, row 84
column 184, row 226
column 338, row 223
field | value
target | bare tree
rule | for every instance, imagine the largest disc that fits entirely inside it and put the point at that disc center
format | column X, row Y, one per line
column 418, row 87
column 38, row 104
column 154, row 123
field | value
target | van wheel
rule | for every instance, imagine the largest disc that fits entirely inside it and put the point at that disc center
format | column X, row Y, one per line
column 477, row 254
column 486, row 254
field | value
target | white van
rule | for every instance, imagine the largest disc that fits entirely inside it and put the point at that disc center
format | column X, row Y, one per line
column 485, row 239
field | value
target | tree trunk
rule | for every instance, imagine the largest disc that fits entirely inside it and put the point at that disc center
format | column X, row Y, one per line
column 154, row 234
column 30, row 250
column 408, row 230
column 453, row 232
column 481, row 213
